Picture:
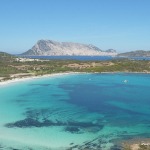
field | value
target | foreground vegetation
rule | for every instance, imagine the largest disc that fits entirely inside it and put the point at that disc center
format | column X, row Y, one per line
column 12, row 67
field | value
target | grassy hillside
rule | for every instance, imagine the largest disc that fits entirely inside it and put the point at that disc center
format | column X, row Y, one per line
column 5, row 64
column 5, row 57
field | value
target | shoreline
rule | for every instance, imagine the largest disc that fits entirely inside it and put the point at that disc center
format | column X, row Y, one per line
column 34, row 77
column 18, row 79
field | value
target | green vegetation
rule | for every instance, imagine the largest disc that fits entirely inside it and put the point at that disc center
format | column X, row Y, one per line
column 11, row 67
column 6, row 57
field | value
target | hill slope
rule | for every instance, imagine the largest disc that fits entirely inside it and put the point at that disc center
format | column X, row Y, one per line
column 52, row 48
column 5, row 57
column 138, row 53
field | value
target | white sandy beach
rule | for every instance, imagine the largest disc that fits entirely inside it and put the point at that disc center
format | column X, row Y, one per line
column 35, row 77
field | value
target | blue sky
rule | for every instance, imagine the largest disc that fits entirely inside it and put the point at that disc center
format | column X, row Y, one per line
column 123, row 25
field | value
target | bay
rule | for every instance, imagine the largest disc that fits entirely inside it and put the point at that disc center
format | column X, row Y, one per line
column 74, row 111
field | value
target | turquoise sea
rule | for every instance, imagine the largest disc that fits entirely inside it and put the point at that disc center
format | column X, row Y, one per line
column 74, row 111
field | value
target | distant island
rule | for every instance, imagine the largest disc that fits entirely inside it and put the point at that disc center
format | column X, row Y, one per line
column 53, row 48
column 137, row 53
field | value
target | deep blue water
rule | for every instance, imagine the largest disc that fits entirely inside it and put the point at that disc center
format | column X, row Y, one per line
column 76, row 110
column 73, row 57
column 96, row 58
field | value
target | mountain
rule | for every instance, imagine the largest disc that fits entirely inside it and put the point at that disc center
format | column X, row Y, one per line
column 53, row 48
column 137, row 53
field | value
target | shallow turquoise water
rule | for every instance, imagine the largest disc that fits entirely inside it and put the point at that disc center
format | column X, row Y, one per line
column 74, row 111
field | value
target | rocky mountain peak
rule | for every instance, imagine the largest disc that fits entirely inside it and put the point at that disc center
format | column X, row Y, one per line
column 111, row 51
column 53, row 48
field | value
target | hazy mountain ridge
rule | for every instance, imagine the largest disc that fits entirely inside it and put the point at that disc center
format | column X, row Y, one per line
column 137, row 53
column 53, row 48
